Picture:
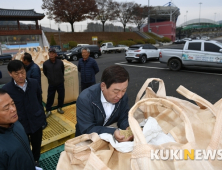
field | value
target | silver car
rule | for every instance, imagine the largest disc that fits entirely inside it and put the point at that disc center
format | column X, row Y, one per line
column 195, row 53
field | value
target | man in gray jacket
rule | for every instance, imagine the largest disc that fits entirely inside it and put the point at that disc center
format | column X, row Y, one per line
column 53, row 69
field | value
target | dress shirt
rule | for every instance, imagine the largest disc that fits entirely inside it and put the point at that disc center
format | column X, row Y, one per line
column 108, row 107
column 22, row 87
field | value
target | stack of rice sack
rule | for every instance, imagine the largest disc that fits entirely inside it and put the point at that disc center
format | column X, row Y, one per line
column 71, row 74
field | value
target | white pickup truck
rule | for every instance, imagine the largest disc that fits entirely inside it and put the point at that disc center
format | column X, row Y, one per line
column 195, row 53
column 108, row 47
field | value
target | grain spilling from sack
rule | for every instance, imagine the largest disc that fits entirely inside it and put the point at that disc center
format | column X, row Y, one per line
column 126, row 133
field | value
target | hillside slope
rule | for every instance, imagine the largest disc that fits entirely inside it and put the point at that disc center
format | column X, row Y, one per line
column 86, row 37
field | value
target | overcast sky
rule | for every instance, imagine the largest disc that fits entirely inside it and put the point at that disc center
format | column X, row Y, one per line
column 208, row 8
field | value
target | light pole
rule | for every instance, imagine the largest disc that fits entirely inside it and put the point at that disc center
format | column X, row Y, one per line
column 186, row 17
column 215, row 14
column 148, row 18
column 184, row 20
column 59, row 37
column 200, row 10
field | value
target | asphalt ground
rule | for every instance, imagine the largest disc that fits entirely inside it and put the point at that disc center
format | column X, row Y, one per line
column 205, row 82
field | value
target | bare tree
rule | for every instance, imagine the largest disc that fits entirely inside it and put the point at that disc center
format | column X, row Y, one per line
column 125, row 12
column 70, row 11
column 106, row 11
column 139, row 15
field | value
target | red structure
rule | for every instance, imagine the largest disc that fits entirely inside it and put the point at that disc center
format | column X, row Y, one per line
column 166, row 29
column 163, row 20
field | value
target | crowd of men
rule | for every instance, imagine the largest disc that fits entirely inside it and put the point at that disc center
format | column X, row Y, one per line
column 22, row 115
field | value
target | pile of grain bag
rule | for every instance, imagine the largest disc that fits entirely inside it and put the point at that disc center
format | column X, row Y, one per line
column 71, row 74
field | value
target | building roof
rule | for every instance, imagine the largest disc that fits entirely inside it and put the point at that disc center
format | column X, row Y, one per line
column 219, row 22
column 199, row 21
column 163, row 13
column 10, row 14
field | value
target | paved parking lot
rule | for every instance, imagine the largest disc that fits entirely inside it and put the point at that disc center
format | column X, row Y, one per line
column 203, row 81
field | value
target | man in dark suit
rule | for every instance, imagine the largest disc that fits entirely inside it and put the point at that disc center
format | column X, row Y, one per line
column 27, row 96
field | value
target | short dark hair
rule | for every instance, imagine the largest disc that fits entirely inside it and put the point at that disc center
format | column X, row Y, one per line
column 52, row 50
column 15, row 65
column 114, row 74
column 27, row 57
column 2, row 91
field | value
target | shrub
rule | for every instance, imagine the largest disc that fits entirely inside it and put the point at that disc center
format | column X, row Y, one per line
column 72, row 44
column 100, row 42
column 166, row 39
column 52, row 41
column 127, row 42
column 150, row 41
column 139, row 41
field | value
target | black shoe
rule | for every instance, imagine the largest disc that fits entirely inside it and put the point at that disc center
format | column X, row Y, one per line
column 45, row 125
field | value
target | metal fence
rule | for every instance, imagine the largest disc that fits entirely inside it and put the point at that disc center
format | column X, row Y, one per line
column 92, row 27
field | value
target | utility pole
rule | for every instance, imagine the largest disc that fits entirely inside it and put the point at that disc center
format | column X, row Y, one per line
column 184, row 20
column 186, row 17
column 148, row 18
column 200, row 10
column 215, row 14
column 59, row 36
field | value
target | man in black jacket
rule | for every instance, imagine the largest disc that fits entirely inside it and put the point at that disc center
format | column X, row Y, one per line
column 15, row 152
column 26, row 94
column 54, row 71
column 32, row 71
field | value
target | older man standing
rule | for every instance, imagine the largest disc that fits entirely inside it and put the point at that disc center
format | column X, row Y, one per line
column 88, row 68
column 27, row 96
column 53, row 69
column 15, row 152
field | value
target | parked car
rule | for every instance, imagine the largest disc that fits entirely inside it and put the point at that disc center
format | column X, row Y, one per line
column 5, row 58
column 79, row 45
column 59, row 51
column 179, row 42
column 187, row 39
column 75, row 53
column 141, row 52
column 108, row 47
column 195, row 53
column 124, row 48
column 205, row 38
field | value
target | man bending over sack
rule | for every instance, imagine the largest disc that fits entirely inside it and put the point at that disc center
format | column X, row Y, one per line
column 103, row 104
